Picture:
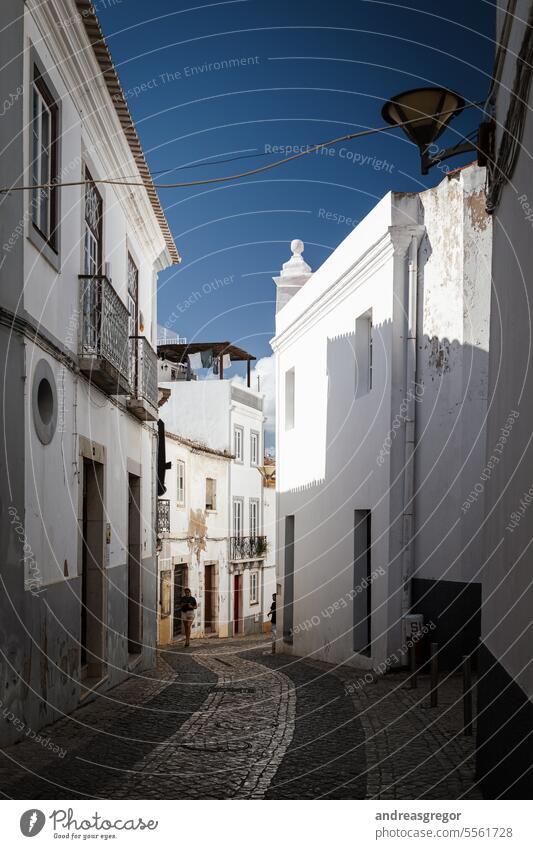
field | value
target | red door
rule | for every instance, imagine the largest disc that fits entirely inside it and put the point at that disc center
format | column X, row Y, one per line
column 237, row 603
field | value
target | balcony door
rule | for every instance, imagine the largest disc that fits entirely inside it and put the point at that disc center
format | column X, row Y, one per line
column 254, row 518
column 92, row 261
column 133, row 308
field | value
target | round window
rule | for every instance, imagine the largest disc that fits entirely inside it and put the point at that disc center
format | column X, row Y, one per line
column 44, row 402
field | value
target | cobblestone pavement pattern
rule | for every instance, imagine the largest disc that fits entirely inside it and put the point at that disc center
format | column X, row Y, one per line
column 227, row 719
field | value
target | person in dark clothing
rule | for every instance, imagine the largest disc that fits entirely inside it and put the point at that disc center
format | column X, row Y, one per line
column 272, row 613
column 188, row 606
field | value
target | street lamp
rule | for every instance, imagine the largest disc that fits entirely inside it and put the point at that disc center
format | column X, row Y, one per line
column 428, row 111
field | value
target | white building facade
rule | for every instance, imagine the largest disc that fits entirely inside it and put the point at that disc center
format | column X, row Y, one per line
column 228, row 418
column 79, row 399
column 193, row 531
column 381, row 365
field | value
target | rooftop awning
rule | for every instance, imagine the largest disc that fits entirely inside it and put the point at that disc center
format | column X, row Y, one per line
column 178, row 352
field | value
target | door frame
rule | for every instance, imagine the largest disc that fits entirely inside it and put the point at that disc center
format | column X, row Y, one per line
column 238, row 621
column 176, row 613
column 91, row 560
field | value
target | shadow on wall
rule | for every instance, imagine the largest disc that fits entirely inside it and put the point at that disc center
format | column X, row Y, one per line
column 365, row 437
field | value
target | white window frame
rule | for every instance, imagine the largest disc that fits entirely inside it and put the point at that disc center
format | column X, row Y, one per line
column 180, row 490
column 44, row 131
column 254, row 587
column 213, row 508
column 238, row 527
column 255, row 438
column 290, row 398
column 363, row 354
column 255, row 521
column 238, row 431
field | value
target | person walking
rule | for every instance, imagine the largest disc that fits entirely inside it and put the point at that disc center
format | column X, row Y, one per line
column 188, row 607
column 272, row 614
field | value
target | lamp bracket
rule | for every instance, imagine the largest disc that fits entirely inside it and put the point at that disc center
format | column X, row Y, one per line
column 429, row 161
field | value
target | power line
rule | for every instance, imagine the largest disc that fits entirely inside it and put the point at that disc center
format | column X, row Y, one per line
column 261, row 169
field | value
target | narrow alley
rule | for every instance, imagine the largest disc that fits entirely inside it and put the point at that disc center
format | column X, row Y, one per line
column 227, row 719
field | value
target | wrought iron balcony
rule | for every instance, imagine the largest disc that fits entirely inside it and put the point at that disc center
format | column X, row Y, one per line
column 143, row 401
column 163, row 516
column 247, row 548
column 104, row 345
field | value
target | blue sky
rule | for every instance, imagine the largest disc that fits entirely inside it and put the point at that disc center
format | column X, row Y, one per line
column 307, row 72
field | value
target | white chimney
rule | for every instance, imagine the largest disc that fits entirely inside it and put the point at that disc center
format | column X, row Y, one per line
column 293, row 275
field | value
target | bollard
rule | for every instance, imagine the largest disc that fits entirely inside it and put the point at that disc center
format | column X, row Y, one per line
column 434, row 693
column 412, row 667
column 467, row 695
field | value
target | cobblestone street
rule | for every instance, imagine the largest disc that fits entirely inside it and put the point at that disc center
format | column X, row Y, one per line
column 227, row 719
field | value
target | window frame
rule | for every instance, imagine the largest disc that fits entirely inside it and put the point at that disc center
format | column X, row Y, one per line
column 213, row 508
column 237, row 499
column 254, row 434
column 48, row 244
column 89, row 231
column 254, row 503
column 238, row 429
column 254, row 597
column 363, row 354
column 290, row 399
column 180, row 502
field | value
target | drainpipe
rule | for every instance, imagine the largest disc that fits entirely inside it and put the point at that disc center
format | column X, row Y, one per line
column 410, row 429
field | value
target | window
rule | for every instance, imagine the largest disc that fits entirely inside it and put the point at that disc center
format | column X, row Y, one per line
column 180, row 474
column 254, row 448
column 254, row 587
column 44, row 143
column 92, row 246
column 238, row 440
column 254, row 517
column 133, row 295
column 238, row 508
column 210, row 494
column 289, row 399
column 363, row 354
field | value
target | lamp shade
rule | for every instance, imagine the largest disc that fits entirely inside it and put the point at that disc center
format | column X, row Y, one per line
column 419, row 106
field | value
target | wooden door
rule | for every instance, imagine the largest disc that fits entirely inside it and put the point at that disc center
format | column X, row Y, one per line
column 209, row 598
column 237, row 604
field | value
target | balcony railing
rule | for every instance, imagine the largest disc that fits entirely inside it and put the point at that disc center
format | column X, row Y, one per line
column 163, row 516
column 143, row 379
column 104, row 346
column 247, row 548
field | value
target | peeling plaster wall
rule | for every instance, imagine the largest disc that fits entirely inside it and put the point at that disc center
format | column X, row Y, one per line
column 198, row 536
column 453, row 326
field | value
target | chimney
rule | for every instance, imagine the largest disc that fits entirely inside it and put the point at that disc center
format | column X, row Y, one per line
column 293, row 275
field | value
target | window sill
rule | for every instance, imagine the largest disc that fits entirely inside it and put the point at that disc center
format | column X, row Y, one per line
column 41, row 245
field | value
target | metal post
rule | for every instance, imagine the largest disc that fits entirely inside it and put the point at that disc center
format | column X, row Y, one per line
column 412, row 667
column 434, row 693
column 467, row 694
column 221, row 367
column 248, row 373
